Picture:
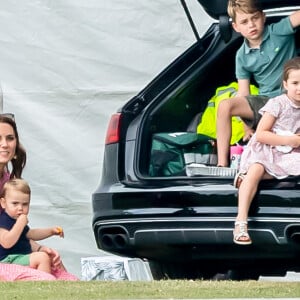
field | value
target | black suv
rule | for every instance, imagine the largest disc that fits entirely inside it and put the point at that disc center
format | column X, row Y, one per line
column 183, row 224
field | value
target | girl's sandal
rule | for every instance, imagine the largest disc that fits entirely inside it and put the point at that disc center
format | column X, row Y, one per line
column 239, row 177
column 240, row 233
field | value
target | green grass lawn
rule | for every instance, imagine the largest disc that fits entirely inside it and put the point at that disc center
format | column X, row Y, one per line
column 166, row 289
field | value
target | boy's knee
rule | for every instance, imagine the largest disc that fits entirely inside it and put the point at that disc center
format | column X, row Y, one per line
column 224, row 107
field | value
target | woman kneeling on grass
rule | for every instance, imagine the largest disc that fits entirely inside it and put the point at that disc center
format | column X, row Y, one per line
column 274, row 150
column 12, row 152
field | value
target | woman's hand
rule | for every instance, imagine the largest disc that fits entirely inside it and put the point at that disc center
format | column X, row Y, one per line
column 55, row 257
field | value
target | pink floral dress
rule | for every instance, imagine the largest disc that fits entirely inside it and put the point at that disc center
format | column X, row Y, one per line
column 278, row 162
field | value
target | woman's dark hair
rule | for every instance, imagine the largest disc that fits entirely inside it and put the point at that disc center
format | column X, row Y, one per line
column 19, row 161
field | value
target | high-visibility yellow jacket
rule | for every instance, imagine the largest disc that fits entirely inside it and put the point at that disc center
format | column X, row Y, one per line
column 207, row 125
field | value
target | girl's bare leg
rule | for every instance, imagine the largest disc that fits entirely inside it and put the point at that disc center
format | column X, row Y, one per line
column 247, row 191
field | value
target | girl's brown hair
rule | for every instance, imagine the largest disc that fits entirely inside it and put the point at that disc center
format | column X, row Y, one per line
column 291, row 64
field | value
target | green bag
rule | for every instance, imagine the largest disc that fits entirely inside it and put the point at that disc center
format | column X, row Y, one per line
column 171, row 152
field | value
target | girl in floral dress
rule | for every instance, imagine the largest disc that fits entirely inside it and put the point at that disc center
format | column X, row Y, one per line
column 274, row 150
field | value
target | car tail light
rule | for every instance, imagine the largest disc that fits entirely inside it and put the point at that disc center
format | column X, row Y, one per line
column 113, row 131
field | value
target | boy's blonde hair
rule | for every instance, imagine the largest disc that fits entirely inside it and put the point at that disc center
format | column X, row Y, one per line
column 16, row 184
column 245, row 6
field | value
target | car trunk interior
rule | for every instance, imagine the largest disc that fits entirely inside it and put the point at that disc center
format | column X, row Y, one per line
column 176, row 106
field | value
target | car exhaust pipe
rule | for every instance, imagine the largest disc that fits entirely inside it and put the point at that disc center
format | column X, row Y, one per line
column 120, row 241
column 295, row 237
column 113, row 241
column 293, row 234
column 107, row 241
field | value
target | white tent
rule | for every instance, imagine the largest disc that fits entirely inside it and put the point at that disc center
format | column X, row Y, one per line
column 65, row 67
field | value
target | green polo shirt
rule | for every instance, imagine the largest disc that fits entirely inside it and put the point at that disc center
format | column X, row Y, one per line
column 265, row 64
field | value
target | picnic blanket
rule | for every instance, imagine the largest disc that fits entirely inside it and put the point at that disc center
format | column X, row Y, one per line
column 12, row 272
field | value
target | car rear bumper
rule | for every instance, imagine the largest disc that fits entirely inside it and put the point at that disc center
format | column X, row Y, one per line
column 195, row 223
column 202, row 237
